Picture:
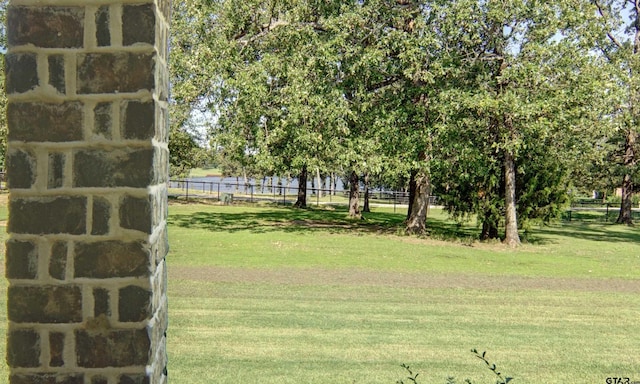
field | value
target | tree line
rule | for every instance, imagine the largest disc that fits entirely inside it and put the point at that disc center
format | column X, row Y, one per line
column 499, row 107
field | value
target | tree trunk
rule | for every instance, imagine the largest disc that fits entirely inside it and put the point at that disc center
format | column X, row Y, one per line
column 512, row 238
column 366, row 207
column 332, row 184
column 301, row 202
column 627, row 183
column 416, row 223
column 319, row 183
column 626, row 204
column 412, row 193
column 354, row 196
column 489, row 226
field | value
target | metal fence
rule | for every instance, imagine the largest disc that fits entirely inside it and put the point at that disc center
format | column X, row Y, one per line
column 227, row 192
column 280, row 194
column 596, row 211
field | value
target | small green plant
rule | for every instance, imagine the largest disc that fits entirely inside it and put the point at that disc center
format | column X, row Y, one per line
column 492, row 367
column 413, row 377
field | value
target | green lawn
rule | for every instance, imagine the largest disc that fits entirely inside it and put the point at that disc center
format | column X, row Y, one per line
column 277, row 295
column 274, row 295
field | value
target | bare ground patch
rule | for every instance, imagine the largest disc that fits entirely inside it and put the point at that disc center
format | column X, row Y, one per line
column 360, row 277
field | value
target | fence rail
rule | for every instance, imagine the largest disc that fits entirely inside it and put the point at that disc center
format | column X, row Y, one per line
column 281, row 194
column 593, row 210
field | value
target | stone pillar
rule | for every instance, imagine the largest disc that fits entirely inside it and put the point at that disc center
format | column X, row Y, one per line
column 87, row 172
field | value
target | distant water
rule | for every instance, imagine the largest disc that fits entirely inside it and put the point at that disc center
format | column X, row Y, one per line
column 268, row 185
column 275, row 181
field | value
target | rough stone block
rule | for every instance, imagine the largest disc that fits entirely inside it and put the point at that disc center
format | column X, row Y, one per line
column 114, row 168
column 101, row 216
column 46, row 27
column 48, row 215
column 163, row 83
column 45, row 304
column 136, row 213
column 111, row 259
column 162, row 131
column 134, row 304
column 21, row 72
column 56, row 347
column 159, row 331
column 56, row 73
column 102, row 124
column 46, row 378
column 115, row 72
column 21, row 169
column 103, row 35
column 101, row 302
column 112, row 348
column 22, row 260
column 138, row 24
column 133, row 379
column 161, row 165
column 138, row 120
column 56, row 170
column 23, row 349
column 58, row 260
column 99, row 380
column 45, row 122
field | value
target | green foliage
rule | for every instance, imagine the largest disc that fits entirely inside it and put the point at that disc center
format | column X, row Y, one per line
column 455, row 91
column 185, row 153
column 516, row 91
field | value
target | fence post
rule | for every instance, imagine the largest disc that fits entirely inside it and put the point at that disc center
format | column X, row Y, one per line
column 218, row 191
column 187, row 186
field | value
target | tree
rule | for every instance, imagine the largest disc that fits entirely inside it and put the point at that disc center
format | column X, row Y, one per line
column 621, row 48
column 184, row 153
column 271, row 85
column 517, row 81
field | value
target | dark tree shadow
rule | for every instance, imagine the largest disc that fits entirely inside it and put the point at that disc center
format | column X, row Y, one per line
column 291, row 220
column 316, row 220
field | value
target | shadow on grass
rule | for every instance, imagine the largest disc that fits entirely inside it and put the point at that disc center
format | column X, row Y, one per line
column 315, row 220
column 593, row 232
column 289, row 220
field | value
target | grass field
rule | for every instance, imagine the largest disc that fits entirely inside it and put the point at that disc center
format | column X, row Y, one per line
column 273, row 295
column 276, row 295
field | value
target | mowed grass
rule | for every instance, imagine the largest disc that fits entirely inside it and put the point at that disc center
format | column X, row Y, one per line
column 277, row 295
column 268, row 237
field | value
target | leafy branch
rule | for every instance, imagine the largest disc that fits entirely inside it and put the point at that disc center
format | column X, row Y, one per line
column 413, row 377
column 492, row 367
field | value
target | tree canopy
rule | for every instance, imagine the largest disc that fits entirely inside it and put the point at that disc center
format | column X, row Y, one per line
column 494, row 105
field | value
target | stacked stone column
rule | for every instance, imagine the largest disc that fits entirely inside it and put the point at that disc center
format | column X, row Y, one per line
column 87, row 172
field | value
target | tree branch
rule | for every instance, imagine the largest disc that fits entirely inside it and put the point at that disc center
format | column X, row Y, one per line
column 613, row 39
column 272, row 25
